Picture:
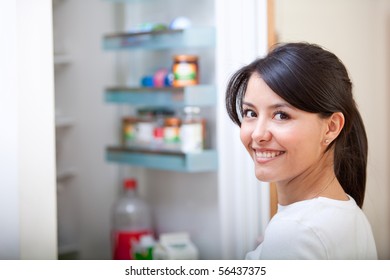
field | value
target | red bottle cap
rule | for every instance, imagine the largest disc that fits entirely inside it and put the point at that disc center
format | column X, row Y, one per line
column 130, row 183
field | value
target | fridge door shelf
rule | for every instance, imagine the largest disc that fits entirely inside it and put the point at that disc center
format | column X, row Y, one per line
column 157, row 40
column 200, row 95
column 164, row 160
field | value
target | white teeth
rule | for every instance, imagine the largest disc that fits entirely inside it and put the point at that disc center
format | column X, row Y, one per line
column 268, row 154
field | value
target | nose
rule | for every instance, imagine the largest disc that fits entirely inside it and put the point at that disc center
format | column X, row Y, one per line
column 261, row 132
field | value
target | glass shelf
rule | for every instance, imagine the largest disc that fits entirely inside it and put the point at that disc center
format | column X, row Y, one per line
column 201, row 95
column 173, row 161
column 165, row 39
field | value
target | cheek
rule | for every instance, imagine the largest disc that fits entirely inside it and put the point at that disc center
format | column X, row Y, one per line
column 245, row 134
column 305, row 146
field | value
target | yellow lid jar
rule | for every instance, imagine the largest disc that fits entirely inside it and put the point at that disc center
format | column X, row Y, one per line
column 185, row 70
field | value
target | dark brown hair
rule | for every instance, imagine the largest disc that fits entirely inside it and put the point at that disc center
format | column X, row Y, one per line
column 314, row 80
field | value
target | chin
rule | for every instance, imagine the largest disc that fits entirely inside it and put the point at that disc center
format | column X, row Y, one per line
column 264, row 177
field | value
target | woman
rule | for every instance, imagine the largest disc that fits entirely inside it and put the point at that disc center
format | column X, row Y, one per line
column 300, row 124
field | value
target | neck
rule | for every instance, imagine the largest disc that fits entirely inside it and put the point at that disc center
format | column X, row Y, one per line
column 314, row 182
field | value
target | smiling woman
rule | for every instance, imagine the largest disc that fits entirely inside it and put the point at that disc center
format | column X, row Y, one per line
column 291, row 155
column 300, row 124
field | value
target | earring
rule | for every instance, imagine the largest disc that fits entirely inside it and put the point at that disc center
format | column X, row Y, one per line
column 327, row 141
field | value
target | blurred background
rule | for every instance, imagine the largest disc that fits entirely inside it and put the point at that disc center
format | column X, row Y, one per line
column 71, row 117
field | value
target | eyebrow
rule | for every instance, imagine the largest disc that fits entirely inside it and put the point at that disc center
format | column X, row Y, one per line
column 273, row 106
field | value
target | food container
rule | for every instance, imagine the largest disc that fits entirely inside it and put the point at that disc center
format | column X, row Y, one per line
column 185, row 70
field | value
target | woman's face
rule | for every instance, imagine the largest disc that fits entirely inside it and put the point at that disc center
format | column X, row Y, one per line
column 284, row 142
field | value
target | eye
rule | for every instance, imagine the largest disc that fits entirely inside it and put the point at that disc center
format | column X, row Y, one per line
column 281, row 116
column 248, row 113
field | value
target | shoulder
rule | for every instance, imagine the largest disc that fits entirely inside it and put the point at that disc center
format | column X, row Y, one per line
column 320, row 212
column 315, row 229
column 292, row 238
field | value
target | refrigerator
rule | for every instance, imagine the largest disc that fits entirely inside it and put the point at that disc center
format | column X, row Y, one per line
column 99, row 66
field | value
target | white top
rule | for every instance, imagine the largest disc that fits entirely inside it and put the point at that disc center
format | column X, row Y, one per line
column 319, row 228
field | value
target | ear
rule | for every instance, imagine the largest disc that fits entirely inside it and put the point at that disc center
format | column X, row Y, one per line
column 335, row 124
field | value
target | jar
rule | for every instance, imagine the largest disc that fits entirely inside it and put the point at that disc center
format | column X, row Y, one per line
column 145, row 130
column 192, row 131
column 129, row 135
column 158, row 131
column 185, row 70
column 172, row 133
column 145, row 127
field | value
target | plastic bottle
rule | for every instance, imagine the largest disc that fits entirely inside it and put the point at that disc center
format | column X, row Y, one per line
column 131, row 221
column 144, row 249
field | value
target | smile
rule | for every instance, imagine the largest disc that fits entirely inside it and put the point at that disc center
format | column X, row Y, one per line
column 268, row 154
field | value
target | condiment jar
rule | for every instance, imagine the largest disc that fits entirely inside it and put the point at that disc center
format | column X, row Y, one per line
column 192, row 131
column 172, row 133
column 185, row 70
column 129, row 134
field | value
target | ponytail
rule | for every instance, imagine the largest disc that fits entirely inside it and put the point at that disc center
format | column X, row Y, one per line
column 350, row 156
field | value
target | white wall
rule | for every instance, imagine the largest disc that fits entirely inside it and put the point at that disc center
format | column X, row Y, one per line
column 358, row 32
column 27, row 164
